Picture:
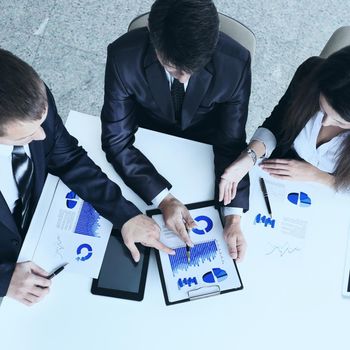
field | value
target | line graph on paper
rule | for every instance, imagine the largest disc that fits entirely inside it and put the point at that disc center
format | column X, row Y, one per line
column 282, row 249
column 59, row 247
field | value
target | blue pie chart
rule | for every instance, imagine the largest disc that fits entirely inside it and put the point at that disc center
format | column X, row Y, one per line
column 84, row 252
column 207, row 222
column 300, row 199
column 216, row 274
column 72, row 199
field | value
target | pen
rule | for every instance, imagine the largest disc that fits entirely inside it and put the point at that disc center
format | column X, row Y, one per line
column 188, row 253
column 266, row 196
column 188, row 248
column 57, row 271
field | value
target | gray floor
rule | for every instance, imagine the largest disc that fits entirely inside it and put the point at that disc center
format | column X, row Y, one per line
column 66, row 40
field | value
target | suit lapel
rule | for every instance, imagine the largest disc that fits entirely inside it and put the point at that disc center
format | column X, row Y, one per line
column 6, row 216
column 159, row 85
column 38, row 158
column 195, row 92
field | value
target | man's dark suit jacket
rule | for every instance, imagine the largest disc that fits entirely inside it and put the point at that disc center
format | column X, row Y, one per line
column 60, row 155
column 137, row 93
column 278, row 116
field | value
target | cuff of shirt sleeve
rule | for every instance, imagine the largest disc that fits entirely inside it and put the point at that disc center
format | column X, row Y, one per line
column 267, row 138
column 158, row 199
column 225, row 211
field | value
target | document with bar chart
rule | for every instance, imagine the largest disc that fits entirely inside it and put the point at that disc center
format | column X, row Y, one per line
column 210, row 269
column 66, row 229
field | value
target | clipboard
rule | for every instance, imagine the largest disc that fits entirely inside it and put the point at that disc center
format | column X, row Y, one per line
column 211, row 271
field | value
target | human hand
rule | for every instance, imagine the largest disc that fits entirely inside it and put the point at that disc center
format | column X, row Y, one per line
column 177, row 218
column 234, row 238
column 231, row 177
column 29, row 283
column 144, row 230
column 289, row 169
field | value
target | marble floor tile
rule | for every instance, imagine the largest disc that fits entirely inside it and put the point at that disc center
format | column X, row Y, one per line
column 75, row 77
column 90, row 27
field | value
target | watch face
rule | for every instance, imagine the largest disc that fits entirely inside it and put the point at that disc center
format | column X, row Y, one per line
column 252, row 155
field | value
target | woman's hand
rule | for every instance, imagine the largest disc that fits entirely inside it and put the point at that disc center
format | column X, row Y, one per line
column 295, row 170
column 232, row 176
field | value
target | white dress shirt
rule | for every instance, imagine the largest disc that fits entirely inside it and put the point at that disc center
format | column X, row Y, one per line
column 323, row 157
column 8, row 187
column 158, row 199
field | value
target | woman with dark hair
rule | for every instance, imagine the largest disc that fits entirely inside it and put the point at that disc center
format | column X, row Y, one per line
column 307, row 135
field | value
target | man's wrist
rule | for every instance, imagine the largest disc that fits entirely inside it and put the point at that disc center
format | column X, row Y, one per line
column 159, row 197
column 169, row 197
column 232, row 220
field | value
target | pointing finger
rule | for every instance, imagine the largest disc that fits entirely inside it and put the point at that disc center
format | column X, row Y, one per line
column 222, row 187
column 134, row 251
column 183, row 234
column 189, row 222
column 233, row 191
column 160, row 246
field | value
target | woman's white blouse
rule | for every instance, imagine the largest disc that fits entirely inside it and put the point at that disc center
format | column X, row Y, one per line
column 323, row 157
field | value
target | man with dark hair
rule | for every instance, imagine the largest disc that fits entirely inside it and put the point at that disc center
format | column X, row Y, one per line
column 33, row 143
column 183, row 77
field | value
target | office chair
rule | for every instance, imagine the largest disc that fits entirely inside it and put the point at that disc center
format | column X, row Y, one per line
column 339, row 39
column 228, row 25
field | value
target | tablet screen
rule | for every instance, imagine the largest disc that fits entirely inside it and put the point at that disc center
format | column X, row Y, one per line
column 120, row 276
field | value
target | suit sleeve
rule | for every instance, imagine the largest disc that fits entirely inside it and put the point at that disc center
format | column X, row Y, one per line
column 71, row 163
column 232, row 136
column 6, row 272
column 277, row 117
column 119, row 125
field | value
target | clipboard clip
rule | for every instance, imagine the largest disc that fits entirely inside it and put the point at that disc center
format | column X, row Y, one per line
column 203, row 292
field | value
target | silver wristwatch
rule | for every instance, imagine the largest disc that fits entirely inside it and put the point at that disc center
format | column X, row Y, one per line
column 252, row 154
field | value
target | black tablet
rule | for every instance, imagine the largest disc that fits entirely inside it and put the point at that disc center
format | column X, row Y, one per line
column 120, row 276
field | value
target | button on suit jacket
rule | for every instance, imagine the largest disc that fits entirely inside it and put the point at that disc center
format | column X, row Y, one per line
column 60, row 155
column 137, row 93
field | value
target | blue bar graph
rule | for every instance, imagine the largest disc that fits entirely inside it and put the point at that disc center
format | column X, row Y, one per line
column 186, row 282
column 88, row 221
column 200, row 253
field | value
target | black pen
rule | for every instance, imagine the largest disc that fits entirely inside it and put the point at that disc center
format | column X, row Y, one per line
column 188, row 248
column 188, row 253
column 57, row 271
column 266, row 196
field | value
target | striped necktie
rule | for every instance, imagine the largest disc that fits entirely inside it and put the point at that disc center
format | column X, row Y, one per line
column 178, row 95
column 22, row 168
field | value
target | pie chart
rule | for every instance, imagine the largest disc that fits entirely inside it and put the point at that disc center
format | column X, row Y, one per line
column 72, row 199
column 216, row 274
column 300, row 199
column 204, row 225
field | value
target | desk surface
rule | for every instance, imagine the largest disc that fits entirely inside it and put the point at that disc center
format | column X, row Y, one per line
column 287, row 302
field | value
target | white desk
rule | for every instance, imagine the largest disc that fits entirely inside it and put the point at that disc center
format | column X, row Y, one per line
column 283, row 305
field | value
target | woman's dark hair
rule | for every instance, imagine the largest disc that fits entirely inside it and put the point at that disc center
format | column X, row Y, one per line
column 184, row 32
column 22, row 92
column 331, row 79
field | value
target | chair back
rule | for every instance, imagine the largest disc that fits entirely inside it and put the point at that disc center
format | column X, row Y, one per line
column 339, row 39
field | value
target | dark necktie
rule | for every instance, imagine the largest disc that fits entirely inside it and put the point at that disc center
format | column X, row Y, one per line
column 178, row 95
column 22, row 168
